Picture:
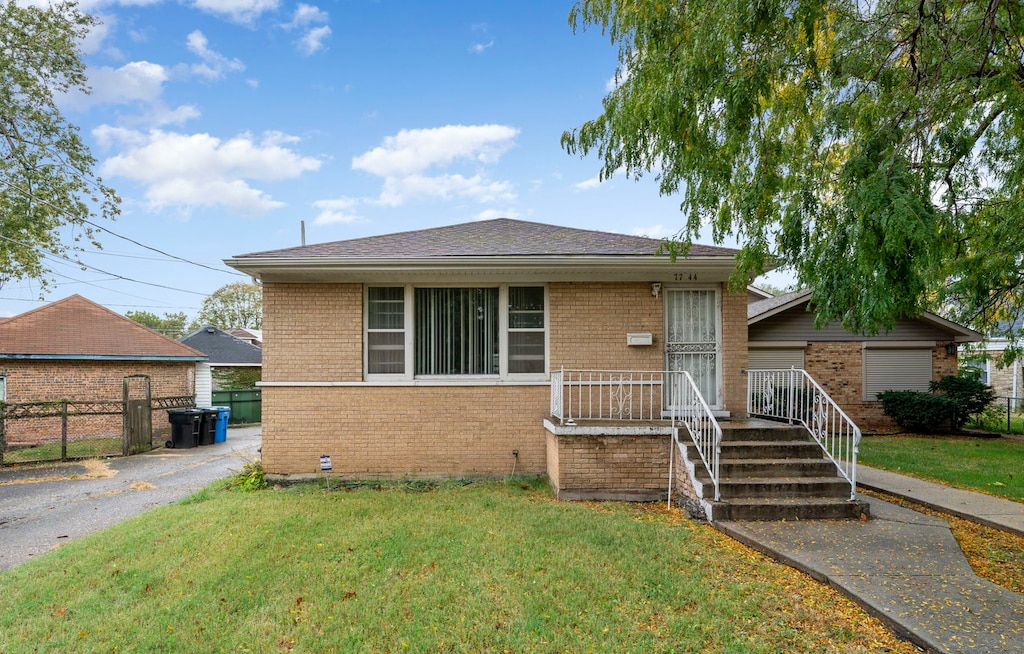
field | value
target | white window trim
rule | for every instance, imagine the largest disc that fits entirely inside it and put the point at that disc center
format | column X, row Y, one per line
column 408, row 325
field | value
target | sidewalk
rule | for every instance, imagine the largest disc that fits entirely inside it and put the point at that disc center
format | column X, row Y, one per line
column 905, row 567
column 985, row 509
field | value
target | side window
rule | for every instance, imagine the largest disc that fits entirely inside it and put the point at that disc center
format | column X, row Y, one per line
column 526, row 329
column 385, row 330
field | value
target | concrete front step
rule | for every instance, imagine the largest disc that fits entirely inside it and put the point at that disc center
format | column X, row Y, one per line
column 781, row 432
column 747, row 468
column 769, row 450
column 790, row 509
column 780, row 488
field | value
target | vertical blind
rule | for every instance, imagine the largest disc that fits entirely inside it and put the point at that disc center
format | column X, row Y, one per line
column 456, row 331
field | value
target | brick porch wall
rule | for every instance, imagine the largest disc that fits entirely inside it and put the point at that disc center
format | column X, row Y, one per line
column 839, row 368
column 609, row 467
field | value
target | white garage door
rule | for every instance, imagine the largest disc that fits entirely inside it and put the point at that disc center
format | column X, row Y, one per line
column 896, row 370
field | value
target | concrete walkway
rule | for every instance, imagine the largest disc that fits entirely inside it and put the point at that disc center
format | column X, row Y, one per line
column 904, row 566
column 45, row 506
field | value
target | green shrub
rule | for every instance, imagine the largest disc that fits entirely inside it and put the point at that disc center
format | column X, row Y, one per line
column 970, row 396
column 953, row 400
column 917, row 411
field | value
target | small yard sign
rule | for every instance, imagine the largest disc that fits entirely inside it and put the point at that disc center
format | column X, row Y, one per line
column 325, row 462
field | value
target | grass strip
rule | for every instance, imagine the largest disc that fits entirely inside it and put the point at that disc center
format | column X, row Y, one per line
column 988, row 465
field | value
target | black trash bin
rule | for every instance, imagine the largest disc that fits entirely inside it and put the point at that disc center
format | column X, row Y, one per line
column 184, row 427
column 207, row 425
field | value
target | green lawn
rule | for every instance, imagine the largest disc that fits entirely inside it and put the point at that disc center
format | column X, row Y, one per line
column 482, row 567
column 989, row 465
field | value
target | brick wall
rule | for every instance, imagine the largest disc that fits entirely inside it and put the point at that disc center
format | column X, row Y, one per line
column 589, row 322
column 734, row 352
column 424, row 431
column 42, row 381
column 312, row 332
column 839, row 368
column 46, row 381
column 610, row 467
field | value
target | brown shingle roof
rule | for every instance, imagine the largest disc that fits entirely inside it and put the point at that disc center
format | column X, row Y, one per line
column 487, row 238
column 76, row 327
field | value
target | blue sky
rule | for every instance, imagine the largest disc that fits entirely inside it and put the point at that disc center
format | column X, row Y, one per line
column 223, row 124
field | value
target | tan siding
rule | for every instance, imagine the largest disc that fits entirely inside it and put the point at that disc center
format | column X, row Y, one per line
column 797, row 324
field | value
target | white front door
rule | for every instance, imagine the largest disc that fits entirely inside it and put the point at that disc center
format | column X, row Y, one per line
column 693, row 340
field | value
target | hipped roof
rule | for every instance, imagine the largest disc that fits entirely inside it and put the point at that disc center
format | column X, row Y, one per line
column 223, row 348
column 77, row 328
column 489, row 251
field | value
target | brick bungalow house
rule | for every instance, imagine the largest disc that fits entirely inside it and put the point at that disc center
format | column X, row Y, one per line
column 432, row 352
column 76, row 349
column 850, row 367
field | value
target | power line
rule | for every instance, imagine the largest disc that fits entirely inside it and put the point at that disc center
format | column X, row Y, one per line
column 134, row 306
column 51, row 255
column 120, row 236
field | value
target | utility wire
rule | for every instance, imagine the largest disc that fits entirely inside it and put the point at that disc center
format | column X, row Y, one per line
column 28, row 194
column 53, row 255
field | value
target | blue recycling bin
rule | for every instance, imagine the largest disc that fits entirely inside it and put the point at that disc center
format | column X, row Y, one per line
column 221, row 433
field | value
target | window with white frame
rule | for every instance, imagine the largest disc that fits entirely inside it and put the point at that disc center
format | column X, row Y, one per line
column 3, row 389
column 487, row 331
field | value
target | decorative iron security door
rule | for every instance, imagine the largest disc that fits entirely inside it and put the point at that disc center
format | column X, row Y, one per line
column 693, row 342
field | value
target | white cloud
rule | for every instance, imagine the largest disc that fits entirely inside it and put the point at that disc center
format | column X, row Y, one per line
column 306, row 15
column 189, row 170
column 403, row 160
column 399, row 190
column 313, row 40
column 239, row 11
column 140, row 81
column 338, row 210
column 215, row 65
column 480, row 48
column 654, row 231
column 414, row 150
column 311, row 19
column 491, row 214
column 588, row 184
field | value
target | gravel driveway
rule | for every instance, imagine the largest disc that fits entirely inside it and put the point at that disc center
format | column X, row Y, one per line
column 44, row 507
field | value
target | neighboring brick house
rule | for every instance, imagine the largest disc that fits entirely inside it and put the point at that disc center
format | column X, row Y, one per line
column 853, row 368
column 76, row 349
column 226, row 352
column 431, row 352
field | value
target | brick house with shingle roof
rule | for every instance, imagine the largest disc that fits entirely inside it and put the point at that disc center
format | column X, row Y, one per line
column 76, row 349
column 226, row 352
column 431, row 353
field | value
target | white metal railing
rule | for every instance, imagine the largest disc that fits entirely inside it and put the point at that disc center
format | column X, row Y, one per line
column 794, row 396
column 606, row 395
column 690, row 408
column 640, row 395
